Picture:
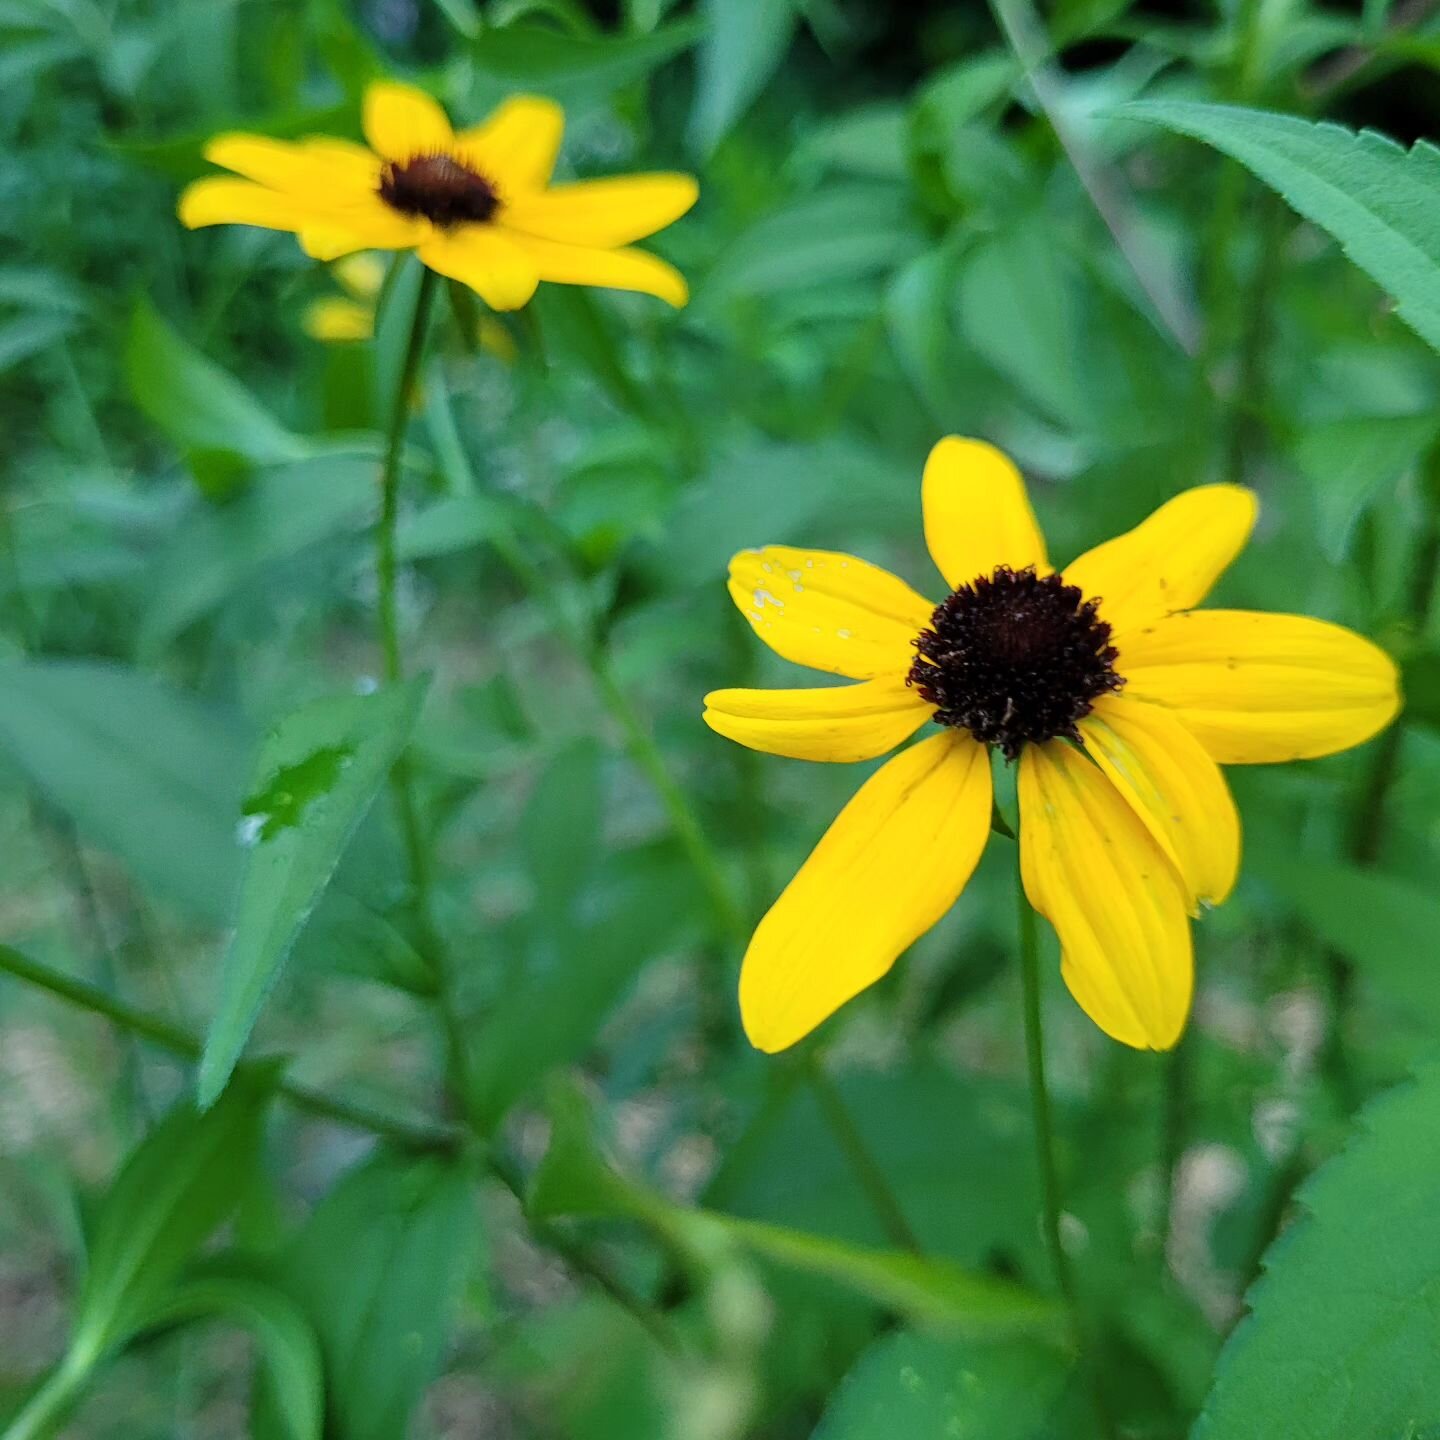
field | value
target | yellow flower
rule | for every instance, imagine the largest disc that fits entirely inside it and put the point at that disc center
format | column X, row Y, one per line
column 476, row 205
column 338, row 319
column 1118, row 698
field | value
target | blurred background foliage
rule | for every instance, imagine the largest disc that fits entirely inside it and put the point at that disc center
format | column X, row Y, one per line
column 908, row 226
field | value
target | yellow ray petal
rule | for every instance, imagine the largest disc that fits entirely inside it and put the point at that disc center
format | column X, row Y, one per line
column 317, row 170
column 829, row 611
column 1094, row 871
column 845, row 722
column 333, row 318
column 1169, row 561
column 516, row 145
column 609, row 269
column 401, row 122
column 977, row 514
column 361, row 276
column 219, row 200
column 1174, row 786
column 492, row 265
column 1255, row 688
column 603, row 212
column 895, row 860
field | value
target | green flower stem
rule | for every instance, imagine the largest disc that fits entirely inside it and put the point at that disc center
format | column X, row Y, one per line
column 177, row 1041
column 872, row 1178
column 1045, row 1145
column 48, row 1407
column 402, row 781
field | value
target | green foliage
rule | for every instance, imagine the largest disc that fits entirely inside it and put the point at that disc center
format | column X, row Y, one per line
column 318, row 773
column 1379, row 200
column 1340, row 1339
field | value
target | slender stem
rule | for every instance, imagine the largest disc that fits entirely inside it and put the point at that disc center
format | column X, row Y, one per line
column 871, row 1177
column 52, row 1402
column 1045, row 1146
column 1025, row 36
column 164, row 1035
column 1175, row 1087
column 402, row 781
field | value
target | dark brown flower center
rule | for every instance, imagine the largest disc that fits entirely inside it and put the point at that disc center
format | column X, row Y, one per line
column 440, row 189
column 1014, row 657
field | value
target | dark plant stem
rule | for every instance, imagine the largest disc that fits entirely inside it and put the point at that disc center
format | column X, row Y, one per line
column 402, row 780
column 1051, row 1208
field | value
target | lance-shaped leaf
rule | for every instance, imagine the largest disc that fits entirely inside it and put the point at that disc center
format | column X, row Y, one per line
column 319, row 771
column 1379, row 200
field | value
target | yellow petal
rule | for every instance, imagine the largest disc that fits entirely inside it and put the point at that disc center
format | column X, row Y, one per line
column 401, row 122
column 219, row 200
column 846, row 722
column 315, row 170
column 1174, row 787
column 516, row 145
column 829, row 611
column 334, row 318
column 1170, row 561
column 1094, row 871
column 977, row 515
column 895, row 860
column 610, row 269
column 491, row 264
column 603, row 212
column 1256, row 688
column 361, row 275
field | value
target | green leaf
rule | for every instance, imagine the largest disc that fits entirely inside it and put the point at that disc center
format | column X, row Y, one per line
column 28, row 335
column 961, row 1389
column 196, row 403
column 145, row 771
column 746, row 41
column 1380, row 201
column 1384, row 926
column 177, row 1186
column 1340, row 1338
column 220, row 549
column 541, row 56
column 379, row 1267
column 560, row 838
column 285, row 1339
column 317, row 775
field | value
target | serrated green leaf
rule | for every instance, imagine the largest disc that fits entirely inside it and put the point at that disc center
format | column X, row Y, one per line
column 1379, row 200
column 1340, row 1338
column 961, row 1389
column 174, row 1190
column 379, row 1268
column 285, row 1340
column 317, row 774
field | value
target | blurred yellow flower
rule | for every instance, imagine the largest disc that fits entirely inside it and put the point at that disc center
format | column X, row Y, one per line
column 1119, row 700
column 475, row 205
column 337, row 319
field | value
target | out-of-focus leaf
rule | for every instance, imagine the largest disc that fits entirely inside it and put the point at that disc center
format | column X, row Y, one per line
column 317, row 774
column 27, row 335
column 538, row 55
column 576, row 1179
column 560, row 834
column 1340, row 1338
column 1385, row 926
column 176, row 1187
column 1420, row 684
column 840, row 233
column 182, row 157
column 346, row 937
column 1380, row 201
column 745, row 42
column 284, row 1338
column 199, row 406
column 145, row 771
column 935, row 1385
column 456, row 523
column 919, row 311
column 1351, row 460
column 379, row 1268
column 223, row 548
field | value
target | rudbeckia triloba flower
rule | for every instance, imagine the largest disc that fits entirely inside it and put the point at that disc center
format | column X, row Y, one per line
column 475, row 204
column 1118, row 700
